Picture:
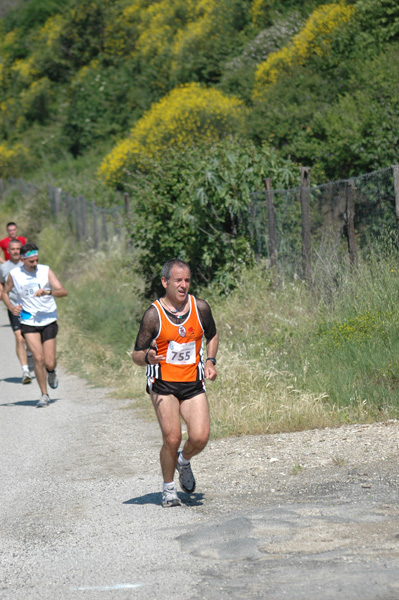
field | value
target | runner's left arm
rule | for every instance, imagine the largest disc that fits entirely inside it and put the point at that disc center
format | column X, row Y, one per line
column 211, row 337
column 57, row 289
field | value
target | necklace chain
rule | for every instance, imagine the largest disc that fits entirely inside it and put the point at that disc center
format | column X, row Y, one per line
column 172, row 310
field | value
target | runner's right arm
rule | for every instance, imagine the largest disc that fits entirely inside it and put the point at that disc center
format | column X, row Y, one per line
column 9, row 284
column 144, row 349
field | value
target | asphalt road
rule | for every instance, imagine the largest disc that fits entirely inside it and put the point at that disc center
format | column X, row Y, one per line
column 81, row 516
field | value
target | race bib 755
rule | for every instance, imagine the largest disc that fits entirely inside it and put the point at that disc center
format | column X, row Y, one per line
column 181, row 354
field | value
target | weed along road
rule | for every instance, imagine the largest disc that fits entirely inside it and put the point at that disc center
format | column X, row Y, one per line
column 81, row 516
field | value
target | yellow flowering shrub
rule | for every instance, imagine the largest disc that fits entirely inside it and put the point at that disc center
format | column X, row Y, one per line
column 159, row 24
column 312, row 39
column 24, row 70
column 260, row 13
column 134, row 10
column 191, row 38
column 188, row 115
column 13, row 159
column 123, row 29
column 202, row 43
column 51, row 31
column 8, row 41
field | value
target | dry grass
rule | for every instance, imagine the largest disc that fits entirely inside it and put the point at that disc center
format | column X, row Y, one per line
column 252, row 397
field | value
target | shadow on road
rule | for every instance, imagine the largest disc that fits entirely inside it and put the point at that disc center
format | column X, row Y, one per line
column 146, row 499
column 26, row 403
column 12, row 380
column 22, row 403
column 155, row 498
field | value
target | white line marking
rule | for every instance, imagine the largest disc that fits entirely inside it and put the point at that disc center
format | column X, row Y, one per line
column 107, row 588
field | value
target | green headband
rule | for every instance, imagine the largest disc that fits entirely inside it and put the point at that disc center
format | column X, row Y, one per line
column 30, row 253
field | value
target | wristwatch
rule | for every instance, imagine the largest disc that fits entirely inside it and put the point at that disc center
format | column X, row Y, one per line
column 213, row 360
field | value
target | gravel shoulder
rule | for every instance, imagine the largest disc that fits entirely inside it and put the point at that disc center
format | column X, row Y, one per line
column 305, row 515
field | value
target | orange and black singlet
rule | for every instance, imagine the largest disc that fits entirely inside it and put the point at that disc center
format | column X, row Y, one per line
column 181, row 344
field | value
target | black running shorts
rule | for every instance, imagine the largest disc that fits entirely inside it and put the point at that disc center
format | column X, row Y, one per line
column 47, row 332
column 14, row 321
column 181, row 390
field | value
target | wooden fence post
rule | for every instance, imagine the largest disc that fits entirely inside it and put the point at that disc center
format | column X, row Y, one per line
column 305, row 211
column 116, row 222
column 350, row 222
column 51, row 198
column 271, row 220
column 76, row 217
column 127, row 205
column 395, row 170
column 104, row 227
column 95, row 226
column 83, row 218
column 57, row 201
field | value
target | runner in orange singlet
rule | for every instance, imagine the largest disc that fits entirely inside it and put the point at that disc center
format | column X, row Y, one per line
column 169, row 343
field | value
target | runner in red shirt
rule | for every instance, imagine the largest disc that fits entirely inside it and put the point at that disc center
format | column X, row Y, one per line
column 12, row 235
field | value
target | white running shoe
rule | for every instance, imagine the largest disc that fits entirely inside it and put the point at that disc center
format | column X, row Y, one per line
column 169, row 497
column 44, row 401
column 26, row 377
column 52, row 379
column 186, row 477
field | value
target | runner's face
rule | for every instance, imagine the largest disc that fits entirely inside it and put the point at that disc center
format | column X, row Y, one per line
column 30, row 263
column 14, row 251
column 12, row 231
column 177, row 287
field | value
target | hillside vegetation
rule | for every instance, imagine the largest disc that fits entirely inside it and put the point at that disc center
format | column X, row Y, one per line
column 128, row 79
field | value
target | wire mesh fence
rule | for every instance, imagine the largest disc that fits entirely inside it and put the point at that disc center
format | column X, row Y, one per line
column 339, row 216
column 343, row 215
column 88, row 222
column 94, row 225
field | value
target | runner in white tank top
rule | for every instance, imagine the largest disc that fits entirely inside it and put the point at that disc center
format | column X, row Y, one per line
column 36, row 286
column 36, row 310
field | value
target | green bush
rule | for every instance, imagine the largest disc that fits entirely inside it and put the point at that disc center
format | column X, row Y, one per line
column 211, row 37
column 93, row 96
column 358, row 133
column 378, row 20
column 34, row 12
column 194, row 205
